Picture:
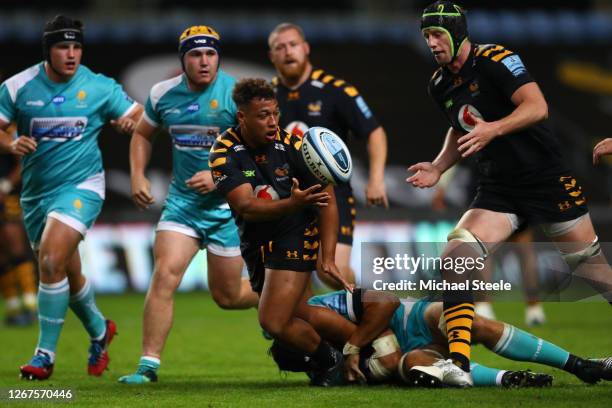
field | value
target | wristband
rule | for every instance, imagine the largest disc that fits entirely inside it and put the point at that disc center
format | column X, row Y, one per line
column 350, row 349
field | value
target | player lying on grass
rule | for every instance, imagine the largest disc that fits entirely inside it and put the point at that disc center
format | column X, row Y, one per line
column 360, row 320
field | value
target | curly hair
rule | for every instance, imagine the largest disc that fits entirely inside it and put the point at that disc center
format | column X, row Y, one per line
column 252, row 88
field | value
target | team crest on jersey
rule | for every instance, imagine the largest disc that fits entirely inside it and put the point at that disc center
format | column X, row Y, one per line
column 314, row 108
column 81, row 95
column 297, row 128
column 293, row 96
column 214, row 104
column 261, row 159
column 466, row 116
column 266, row 192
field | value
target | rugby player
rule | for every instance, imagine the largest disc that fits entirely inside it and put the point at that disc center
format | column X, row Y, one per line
column 17, row 270
column 420, row 339
column 194, row 108
column 60, row 107
column 309, row 97
column 497, row 113
column 274, row 198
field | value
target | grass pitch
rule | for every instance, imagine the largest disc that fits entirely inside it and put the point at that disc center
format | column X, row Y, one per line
column 216, row 358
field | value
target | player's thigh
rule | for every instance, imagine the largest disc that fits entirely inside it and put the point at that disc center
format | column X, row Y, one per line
column 435, row 323
column 283, row 291
column 58, row 244
column 489, row 226
column 579, row 231
column 173, row 251
column 224, row 272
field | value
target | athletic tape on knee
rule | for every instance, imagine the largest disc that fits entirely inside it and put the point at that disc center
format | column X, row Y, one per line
column 574, row 259
column 383, row 346
column 464, row 235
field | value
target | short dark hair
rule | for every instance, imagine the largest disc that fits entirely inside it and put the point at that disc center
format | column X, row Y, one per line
column 60, row 22
column 252, row 88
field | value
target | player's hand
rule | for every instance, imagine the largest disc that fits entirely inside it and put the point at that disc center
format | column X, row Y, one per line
column 376, row 194
column 478, row 138
column 23, row 145
column 329, row 267
column 352, row 373
column 141, row 192
column 303, row 198
column 125, row 125
column 601, row 149
column 202, row 182
column 426, row 175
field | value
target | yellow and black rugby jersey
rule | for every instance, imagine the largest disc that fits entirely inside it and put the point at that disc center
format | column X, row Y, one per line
column 269, row 170
column 324, row 100
column 483, row 88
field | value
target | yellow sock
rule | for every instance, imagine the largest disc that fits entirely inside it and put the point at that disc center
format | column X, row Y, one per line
column 459, row 320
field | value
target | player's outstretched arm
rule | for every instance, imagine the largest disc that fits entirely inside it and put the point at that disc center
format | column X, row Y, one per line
column 128, row 123
column 376, row 193
column 251, row 208
column 601, row 149
column 428, row 174
column 140, row 154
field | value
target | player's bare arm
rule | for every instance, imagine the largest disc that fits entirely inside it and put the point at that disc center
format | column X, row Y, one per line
column 21, row 146
column 202, row 182
column 376, row 193
column 127, row 124
column 328, row 227
column 140, row 154
column 251, row 208
column 427, row 174
column 378, row 308
column 531, row 108
column 601, row 149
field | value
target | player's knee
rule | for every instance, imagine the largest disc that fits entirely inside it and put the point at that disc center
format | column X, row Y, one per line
column 225, row 298
column 577, row 258
column 274, row 326
column 165, row 278
column 52, row 264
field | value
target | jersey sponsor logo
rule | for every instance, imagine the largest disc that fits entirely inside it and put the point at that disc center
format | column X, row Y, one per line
column 448, row 104
column 514, row 65
column 69, row 35
column 58, row 100
column 292, row 255
column 194, row 107
column 58, row 129
column 297, row 128
column 279, row 146
column 193, row 137
column 466, row 116
column 314, row 108
column 238, row 148
column 218, row 176
column 266, row 192
column 363, row 107
column 35, row 103
column 248, row 173
column 172, row 111
column 282, row 171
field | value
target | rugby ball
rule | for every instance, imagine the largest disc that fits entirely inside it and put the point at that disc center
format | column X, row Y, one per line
column 326, row 156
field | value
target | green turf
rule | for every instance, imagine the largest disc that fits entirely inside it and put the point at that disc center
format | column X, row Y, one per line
column 218, row 358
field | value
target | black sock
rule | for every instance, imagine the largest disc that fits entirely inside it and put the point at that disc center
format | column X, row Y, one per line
column 572, row 363
column 323, row 355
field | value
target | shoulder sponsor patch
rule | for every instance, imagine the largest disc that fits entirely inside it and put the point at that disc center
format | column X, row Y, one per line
column 514, row 65
column 364, row 107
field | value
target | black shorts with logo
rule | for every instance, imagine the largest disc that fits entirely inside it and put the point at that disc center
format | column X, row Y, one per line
column 555, row 199
column 294, row 252
column 346, row 213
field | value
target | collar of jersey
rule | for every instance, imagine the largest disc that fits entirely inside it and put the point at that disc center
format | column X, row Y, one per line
column 467, row 65
column 48, row 80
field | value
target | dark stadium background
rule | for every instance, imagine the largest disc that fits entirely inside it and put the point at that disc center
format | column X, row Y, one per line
column 375, row 45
